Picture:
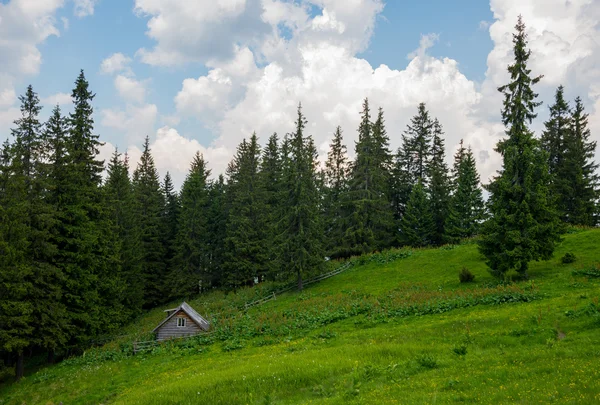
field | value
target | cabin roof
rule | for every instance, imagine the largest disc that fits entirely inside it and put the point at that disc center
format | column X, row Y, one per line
column 195, row 316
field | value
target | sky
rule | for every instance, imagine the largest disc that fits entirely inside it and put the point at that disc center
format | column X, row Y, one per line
column 202, row 75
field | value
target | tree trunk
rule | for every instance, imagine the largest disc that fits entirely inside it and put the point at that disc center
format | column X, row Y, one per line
column 51, row 356
column 299, row 281
column 19, row 368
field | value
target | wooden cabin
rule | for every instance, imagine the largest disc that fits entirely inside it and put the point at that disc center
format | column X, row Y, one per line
column 180, row 322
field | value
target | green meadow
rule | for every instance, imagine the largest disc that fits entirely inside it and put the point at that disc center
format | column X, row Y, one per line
column 395, row 328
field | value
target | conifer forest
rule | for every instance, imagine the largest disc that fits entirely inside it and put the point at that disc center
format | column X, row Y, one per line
column 86, row 246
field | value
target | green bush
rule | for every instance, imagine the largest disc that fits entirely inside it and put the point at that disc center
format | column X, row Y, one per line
column 426, row 360
column 593, row 272
column 568, row 258
column 465, row 275
column 460, row 350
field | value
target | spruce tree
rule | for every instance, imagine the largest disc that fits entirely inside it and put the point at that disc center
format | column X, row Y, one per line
column 192, row 269
column 439, row 186
column 417, row 226
column 245, row 247
column 301, row 225
column 170, row 222
column 31, row 154
column 370, row 217
column 271, row 177
column 467, row 208
column 554, row 142
column 120, row 208
column 150, row 206
column 336, row 188
column 86, row 250
column 524, row 223
column 16, row 308
column 579, row 178
column 218, row 211
column 411, row 160
column 418, row 144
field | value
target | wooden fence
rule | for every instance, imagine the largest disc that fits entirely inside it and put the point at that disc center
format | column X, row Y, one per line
column 313, row 280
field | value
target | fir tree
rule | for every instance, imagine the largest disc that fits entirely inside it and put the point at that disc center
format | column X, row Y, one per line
column 579, row 178
column 271, row 177
column 170, row 222
column 150, row 205
column 524, row 224
column 246, row 253
column 192, row 269
column 120, row 208
column 417, row 225
column 467, row 210
column 418, row 144
column 31, row 154
column 218, row 211
column 336, row 188
column 554, row 142
column 439, row 186
column 301, row 236
column 16, row 309
column 411, row 160
column 370, row 222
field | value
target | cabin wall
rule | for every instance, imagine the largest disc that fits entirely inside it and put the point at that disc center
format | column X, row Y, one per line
column 170, row 329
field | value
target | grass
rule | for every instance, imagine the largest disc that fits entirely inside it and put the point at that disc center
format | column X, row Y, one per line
column 395, row 328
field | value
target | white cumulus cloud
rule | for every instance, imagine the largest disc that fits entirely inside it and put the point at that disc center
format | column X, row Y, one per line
column 130, row 89
column 134, row 122
column 115, row 63
column 84, row 8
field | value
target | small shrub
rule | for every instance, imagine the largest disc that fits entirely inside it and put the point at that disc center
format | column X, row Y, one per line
column 465, row 276
column 6, row 373
column 460, row 350
column 426, row 360
column 593, row 272
column 568, row 258
column 327, row 334
column 232, row 345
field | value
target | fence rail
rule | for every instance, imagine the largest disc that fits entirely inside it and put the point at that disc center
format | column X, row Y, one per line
column 321, row 277
column 260, row 301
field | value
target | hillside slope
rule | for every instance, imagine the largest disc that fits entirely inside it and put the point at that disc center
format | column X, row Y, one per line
column 396, row 327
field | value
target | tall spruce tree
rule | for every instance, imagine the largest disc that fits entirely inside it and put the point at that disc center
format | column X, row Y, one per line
column 554, row 142
column 579, row 178
column 301, row 235
column 81, row 234
column 370, row 217
column 271, row 178
column 467, row 208
column 439, row 185
column 524, row 225
column 16, row 273
column 419, row 137
column 417, row 227
column 245, row 247
column 170, row 222
column 218, row 211
column 150, row 206
column 192, row 269
column 120, row 208
column 336, row 188
column 411, row 160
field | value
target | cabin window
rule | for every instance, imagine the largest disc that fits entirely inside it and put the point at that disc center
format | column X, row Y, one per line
column 181, row 322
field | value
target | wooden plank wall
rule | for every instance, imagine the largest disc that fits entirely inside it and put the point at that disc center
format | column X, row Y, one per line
column 171, row 330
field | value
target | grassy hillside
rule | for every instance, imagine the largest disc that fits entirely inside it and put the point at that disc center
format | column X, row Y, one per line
column 396, row 327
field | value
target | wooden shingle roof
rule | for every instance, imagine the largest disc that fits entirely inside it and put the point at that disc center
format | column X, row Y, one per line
column 195, row 316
